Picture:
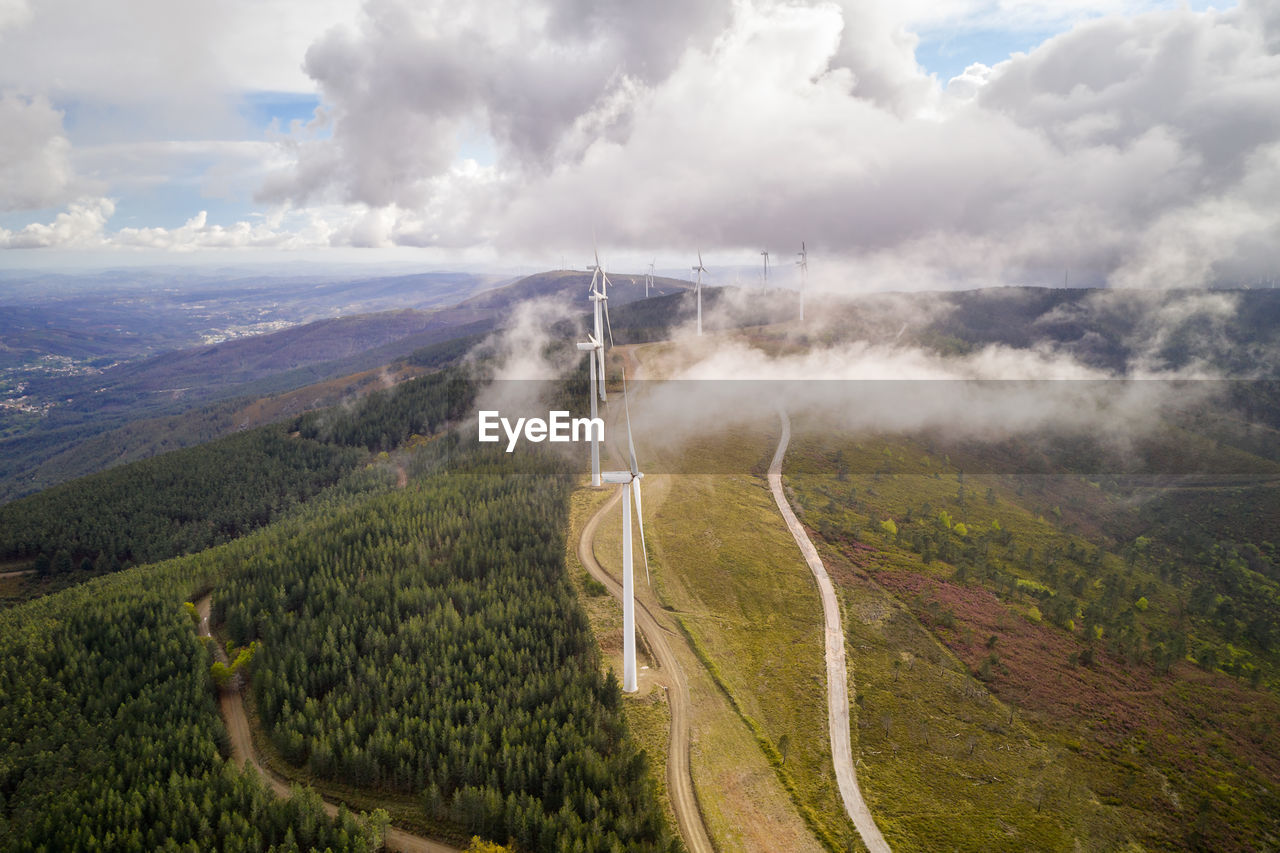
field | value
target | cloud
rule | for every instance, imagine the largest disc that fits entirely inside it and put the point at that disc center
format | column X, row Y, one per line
column 1139, row 147
column 759, row 123
column 83, row 225
column 993, row 394
column 411, row 80
column 79, row 226
column 14, row 13
column 35, row 170
column 153, row 51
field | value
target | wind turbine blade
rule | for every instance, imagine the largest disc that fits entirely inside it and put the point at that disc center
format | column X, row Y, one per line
column 644, row 549
column 626, row 404
column 607, row 324
column 600, row 360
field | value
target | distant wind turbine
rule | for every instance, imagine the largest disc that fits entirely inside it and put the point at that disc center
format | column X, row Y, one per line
column 648, row 278
column 803, row 263
column 630, row 482
column 699, row 269
column 765, row 254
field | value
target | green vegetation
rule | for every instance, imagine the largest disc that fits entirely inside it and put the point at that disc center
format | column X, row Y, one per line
column 384, row 420
column 422, row 644
column 741, row 592
column 428, row 642
column 109, row 737
column 191, row 499
column 176, row 503
column 740, row 797
column 1064, row 669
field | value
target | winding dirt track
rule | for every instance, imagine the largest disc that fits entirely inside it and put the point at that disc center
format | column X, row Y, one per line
column 679, row 780
column 231, row 704
column 837, row 684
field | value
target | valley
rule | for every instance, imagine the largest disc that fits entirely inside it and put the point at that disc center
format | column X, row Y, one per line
column 1047, row 639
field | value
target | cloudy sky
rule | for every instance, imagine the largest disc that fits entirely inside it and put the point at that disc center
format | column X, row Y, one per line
column 908, row 143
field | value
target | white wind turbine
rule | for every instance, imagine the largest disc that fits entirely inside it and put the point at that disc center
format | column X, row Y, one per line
column 764, row 253
column 595, row 348
column 648, row 278
column 599, row 295
column 803, row 263
column 699, row 269
column 630, row 482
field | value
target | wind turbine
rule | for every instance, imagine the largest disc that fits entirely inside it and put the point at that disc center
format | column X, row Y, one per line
column 630, row 482
column 803, row 263
column 765, row 254
column 648, row 278
column 699, row 269
column 595, row 347
column 599, row 295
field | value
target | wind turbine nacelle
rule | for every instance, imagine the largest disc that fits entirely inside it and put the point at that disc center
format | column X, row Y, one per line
column 621, row 478
column 588, row 347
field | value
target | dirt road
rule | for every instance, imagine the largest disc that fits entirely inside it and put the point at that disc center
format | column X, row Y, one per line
column 231, row 704
column 679, row 779
column 837, row 685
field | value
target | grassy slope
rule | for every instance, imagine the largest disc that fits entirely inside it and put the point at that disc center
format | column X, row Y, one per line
column 1105, row 754
column 744, row 805
column 734, row 578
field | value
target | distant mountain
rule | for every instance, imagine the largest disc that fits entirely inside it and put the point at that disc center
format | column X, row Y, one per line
column 570, row 285
column 160, row 388
column 116, row 317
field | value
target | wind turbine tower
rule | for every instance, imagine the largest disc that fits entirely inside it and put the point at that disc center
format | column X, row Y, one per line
column 595, row 348
column 803, row 263
column 699, row 269
column 630, row 483
column 648, row 278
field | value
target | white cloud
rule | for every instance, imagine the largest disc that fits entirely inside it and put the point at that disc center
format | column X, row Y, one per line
column 138, row 51
column 763, row 123
column 83, row 225
column 79, row 226
column 1136, row 148
column 14, row 13
column 34, row 167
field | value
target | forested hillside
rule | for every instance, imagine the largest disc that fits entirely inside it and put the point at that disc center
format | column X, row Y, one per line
column 176, row 503
column 428, row 642
column 191, row 499
column 110, row 738
column 421, row 642
column 383, row 420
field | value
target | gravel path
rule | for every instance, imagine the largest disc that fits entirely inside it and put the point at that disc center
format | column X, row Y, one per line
column 231, row 703
column 837, row 684
column 679, row 779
